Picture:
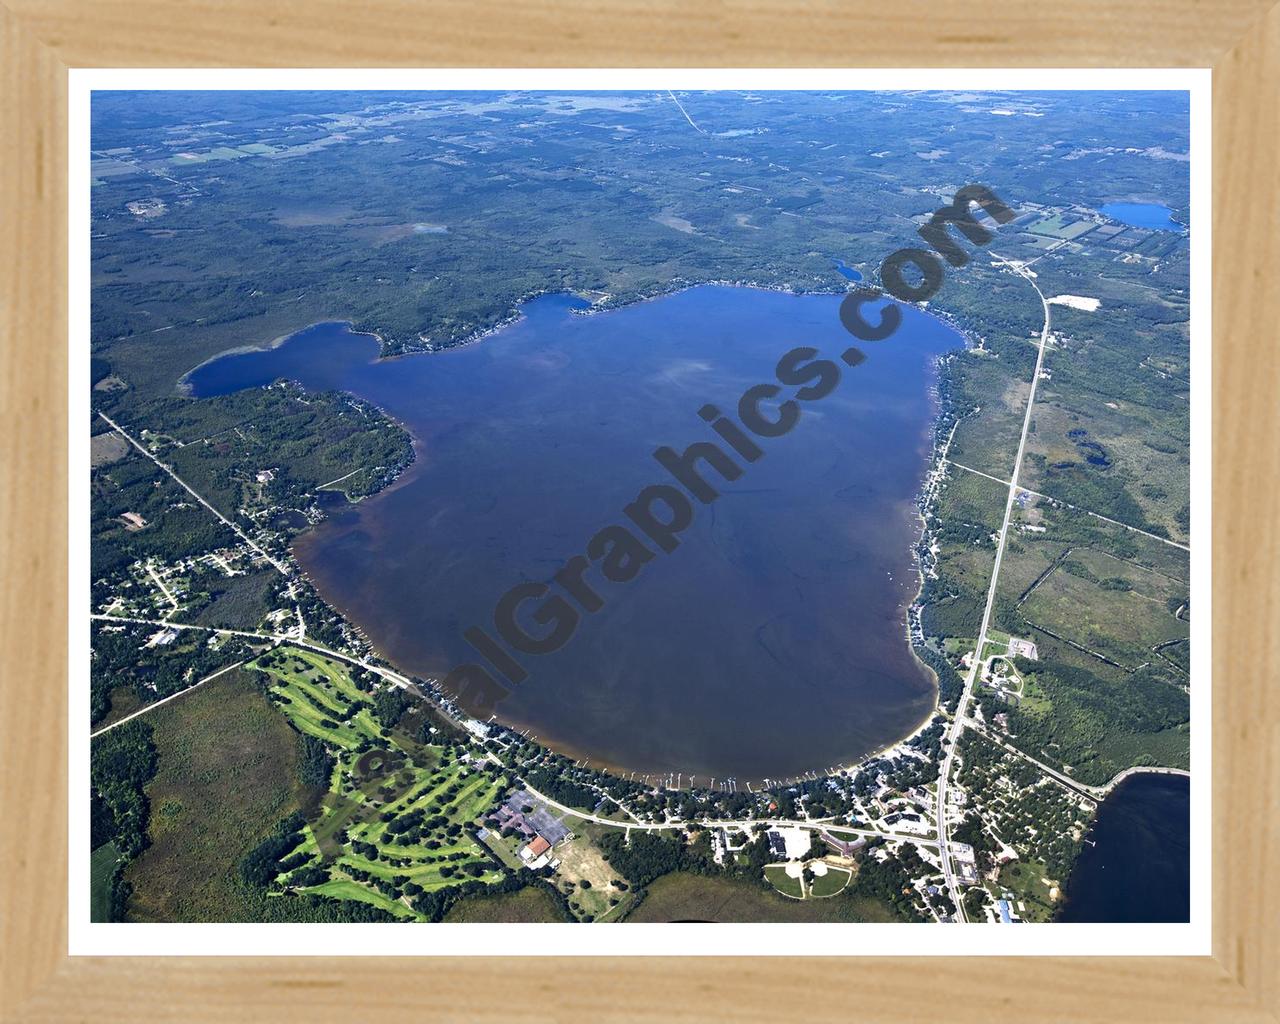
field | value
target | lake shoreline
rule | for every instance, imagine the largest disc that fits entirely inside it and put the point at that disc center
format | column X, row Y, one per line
column 917, row 505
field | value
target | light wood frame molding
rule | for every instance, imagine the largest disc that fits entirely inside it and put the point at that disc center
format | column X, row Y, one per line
column 42, row 39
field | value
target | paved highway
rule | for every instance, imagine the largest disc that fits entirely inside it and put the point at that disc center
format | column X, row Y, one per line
column 962, row 708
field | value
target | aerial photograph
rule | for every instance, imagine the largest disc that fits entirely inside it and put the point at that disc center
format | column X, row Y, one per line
column 638, row 506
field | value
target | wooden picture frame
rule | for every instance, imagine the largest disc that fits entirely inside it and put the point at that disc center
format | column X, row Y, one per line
column 43, row 39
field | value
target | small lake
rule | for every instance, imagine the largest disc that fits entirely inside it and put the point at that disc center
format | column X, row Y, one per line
column 1139, row 868
column 771, row 642
column 1142, row 215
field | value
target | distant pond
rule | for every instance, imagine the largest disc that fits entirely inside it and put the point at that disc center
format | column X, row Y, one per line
column 1143, row 215
column 852, row 273
column 771, row 642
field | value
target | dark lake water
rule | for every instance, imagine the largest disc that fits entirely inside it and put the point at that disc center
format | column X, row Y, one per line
column 1139, row 870
column 1142, row 215
column 769, row 643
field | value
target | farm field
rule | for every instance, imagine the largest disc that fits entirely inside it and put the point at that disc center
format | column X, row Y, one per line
column 1056, row 227
column 1043, row 531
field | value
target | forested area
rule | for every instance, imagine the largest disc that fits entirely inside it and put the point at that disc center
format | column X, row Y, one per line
column 176, row 527
column 889, row 880
column 121, row 763
column 121, row 659
column 1090, row 713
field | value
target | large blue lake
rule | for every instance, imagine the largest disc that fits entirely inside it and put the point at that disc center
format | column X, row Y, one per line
column 771, row 642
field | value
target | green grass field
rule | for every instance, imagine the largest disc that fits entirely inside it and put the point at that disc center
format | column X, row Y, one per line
column 1026, row 878
column 315, row 691
column 505, row 848
column 344, row 889
column 783, row 882
column 829, row 884
column 1039, row 241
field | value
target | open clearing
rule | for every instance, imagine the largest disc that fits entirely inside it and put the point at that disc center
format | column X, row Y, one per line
column 687, row 897
column 1084, row 302
column 581, row 861
column 531, row 905
column 225, row 775
column 1120, row 613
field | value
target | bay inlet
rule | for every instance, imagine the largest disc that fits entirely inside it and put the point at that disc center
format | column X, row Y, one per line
column 1135, row 866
